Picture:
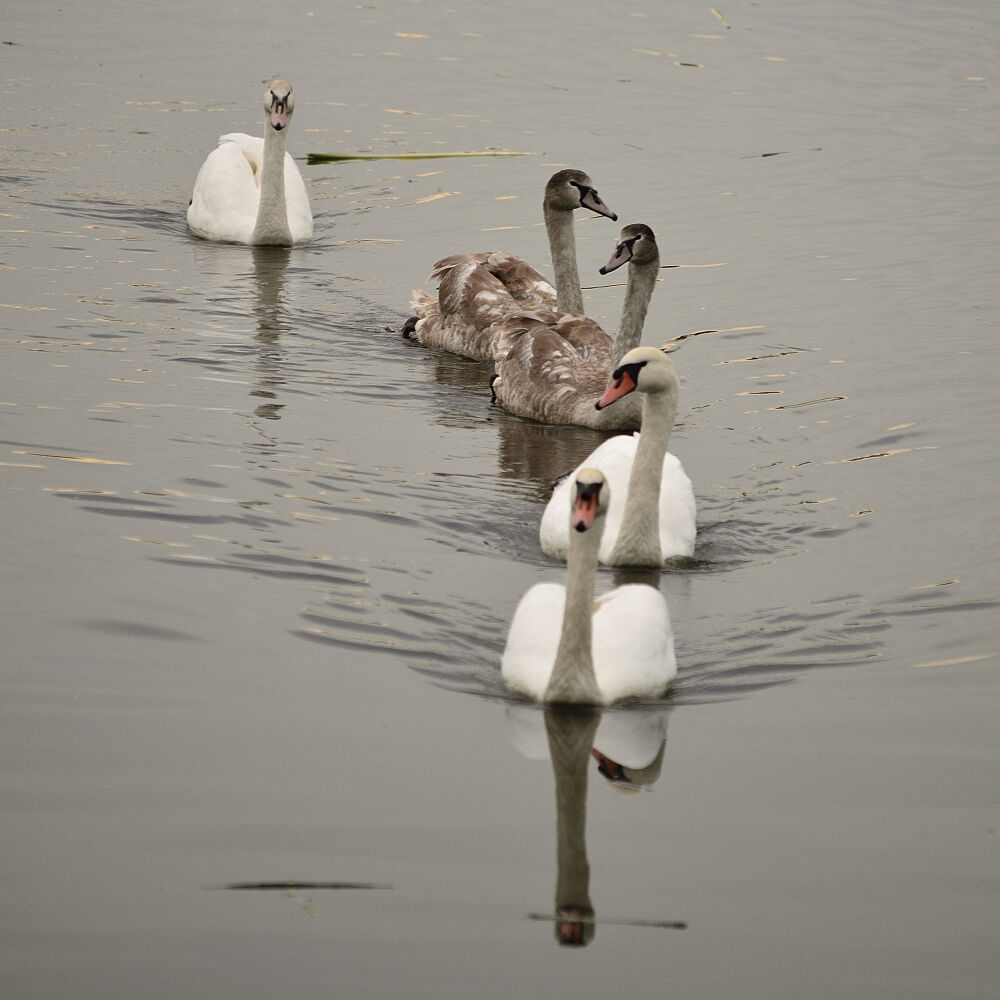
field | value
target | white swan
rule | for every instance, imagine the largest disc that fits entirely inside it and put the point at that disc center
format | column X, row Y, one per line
column 476, row 291
column 565, row 647
column 542, row 374
column 651, row 516
column 249, row 190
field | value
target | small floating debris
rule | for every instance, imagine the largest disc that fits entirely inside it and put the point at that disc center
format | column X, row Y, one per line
column 810, row 402
column 674, row 925
column 878, row 454
column 675, row 342
column 956, row 661
column 313, row 158
column 293, row 886
column 85, row 459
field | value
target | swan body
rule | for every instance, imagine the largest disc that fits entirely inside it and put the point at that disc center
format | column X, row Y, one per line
column 566, row 647
column 652, row 514
column 249, row 190
column 478, row 291
column 544, row 374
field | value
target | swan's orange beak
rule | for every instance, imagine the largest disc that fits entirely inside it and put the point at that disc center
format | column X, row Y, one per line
column 584, row 510
column 621, row 386
column 611, row 769
column 279, row 113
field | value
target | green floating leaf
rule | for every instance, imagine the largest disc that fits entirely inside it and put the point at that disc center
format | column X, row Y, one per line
column 338, row 157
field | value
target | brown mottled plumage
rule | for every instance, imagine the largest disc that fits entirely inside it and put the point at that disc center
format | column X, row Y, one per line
column 477, row 292
column 545, row 374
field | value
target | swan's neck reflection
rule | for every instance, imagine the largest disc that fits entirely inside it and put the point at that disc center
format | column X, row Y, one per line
column 269, row 264
column 571, row 735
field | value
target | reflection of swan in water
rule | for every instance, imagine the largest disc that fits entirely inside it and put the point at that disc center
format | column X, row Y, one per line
column 539, row 453
column 249, row 190
column 570, row 737
column 629, row 743
column 232, row 279
column 454, row 371
column 527, row 451
column 563, row 647
column 269, row 264
column 629, row 748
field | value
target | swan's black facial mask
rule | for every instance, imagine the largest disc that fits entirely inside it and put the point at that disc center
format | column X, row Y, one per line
column 622, row 255
column 624, row 380
column 589, row 198
column 629, row 371
column 279, row 112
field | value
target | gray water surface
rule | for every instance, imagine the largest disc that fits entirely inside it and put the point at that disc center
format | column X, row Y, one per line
column 259, row 552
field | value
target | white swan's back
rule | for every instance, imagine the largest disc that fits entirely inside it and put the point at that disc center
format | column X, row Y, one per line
column 615, row 457
column 632, row 642
column 645, row 664
column 566, row 646
column 533, row 639
column 652, row 515
column 238, row 197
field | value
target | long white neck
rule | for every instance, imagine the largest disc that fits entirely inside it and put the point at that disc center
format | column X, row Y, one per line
column 638, row 541
column 272, row 215
column 638, row 292
column 573, row 678
column 562, row 247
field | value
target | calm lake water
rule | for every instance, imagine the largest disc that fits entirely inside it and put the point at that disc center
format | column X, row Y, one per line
column 259, row 553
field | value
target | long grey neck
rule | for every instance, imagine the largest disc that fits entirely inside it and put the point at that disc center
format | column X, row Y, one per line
column 573, row 679
column 562, row 247
column 571, row 736
column 272, row 215
column 638, row 541
column 638, row 292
